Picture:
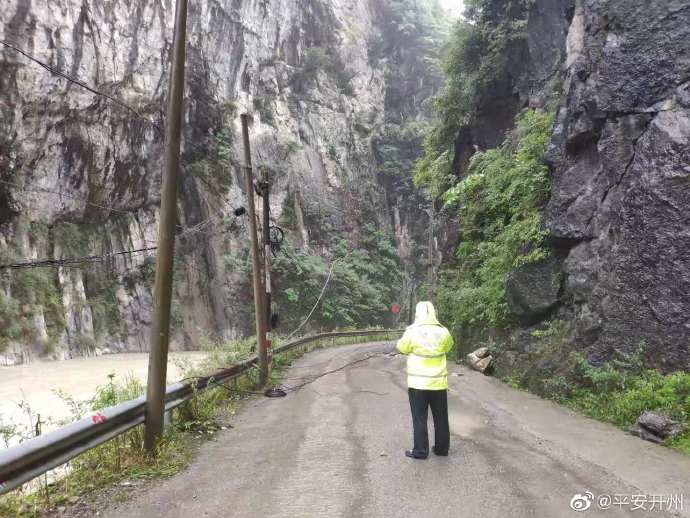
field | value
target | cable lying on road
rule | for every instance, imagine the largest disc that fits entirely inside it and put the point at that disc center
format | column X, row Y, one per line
column 341, row 368
column 273, row 392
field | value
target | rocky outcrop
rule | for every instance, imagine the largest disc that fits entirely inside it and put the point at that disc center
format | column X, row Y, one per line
column 621, row 171
column 303, row 69
column 617, row 217
column 532, row 77
column 533, row 290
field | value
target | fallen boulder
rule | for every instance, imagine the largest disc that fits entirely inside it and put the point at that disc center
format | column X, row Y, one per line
column 642, row 433
column 656, row 427
column 482, row 352
column 480, row 360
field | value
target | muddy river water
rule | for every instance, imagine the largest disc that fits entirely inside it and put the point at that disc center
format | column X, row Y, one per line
column 28, row 390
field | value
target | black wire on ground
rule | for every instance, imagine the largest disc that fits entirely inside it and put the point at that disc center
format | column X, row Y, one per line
column 339, row 369
column 288, row 389
column 316, row 364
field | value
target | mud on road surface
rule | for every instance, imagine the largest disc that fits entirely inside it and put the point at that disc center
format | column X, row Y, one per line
column 335, row 449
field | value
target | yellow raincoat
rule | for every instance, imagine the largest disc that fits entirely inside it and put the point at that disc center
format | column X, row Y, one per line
column 426, row 343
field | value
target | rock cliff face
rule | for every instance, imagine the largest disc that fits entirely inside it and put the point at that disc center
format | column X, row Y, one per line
column 80, row 175
column 617, row 218
column 621, row 178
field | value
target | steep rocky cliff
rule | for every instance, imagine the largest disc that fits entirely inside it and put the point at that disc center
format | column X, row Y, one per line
column 618, row 278
column 80, row 175
column 621, row 171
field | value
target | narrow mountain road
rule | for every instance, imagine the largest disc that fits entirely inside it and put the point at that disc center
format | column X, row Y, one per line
column 335, row 449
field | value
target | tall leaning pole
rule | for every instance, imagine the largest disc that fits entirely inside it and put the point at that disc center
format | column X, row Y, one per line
column 257, row 273
column 160, row 327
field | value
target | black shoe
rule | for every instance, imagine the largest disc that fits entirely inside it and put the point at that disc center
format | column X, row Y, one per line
column 411, row 454
column 440, row 453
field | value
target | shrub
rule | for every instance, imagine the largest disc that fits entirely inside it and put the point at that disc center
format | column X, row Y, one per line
column 362, row 287
column 620, row 391
column 499, row 204
column 264, row 107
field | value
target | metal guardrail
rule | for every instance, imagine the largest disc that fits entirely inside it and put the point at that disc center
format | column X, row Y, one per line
column 27, row 460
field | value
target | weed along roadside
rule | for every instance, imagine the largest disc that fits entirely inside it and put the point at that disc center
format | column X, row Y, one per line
column 623, row 392
column 120, row 466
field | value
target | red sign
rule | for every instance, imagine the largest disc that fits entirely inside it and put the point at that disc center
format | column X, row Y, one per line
column 98, row 418
column 395, row 308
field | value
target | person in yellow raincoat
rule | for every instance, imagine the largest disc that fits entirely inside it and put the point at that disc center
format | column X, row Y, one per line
column 426, row 343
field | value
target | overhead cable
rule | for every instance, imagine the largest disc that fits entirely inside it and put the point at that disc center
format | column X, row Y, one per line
column 59, row 193
column 73, row 261
column 323, row 290
column 80, row 83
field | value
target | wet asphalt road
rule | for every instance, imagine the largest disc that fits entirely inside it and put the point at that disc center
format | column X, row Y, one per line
column 335, row 449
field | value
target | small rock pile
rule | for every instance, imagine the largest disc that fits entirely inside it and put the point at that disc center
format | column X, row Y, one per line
column 480, row 360
column 656, row 427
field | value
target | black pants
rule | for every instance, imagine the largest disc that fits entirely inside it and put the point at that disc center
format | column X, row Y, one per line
column 420, row 401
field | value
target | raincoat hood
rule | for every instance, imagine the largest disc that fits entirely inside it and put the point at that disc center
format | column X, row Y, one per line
column 426, row 343
column 425, row 314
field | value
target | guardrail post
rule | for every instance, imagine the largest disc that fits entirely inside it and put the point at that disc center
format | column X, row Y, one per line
column 168, row 418
column 162, row 295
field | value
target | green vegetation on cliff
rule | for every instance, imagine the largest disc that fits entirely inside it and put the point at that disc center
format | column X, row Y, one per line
column 499, row 195
column 362, row 283
column 481, row 52
column 499, row 203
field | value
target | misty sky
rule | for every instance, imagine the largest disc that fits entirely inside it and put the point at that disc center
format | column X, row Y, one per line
column 454, row 6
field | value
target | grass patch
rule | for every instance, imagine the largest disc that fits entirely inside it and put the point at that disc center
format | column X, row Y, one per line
column 617, row 392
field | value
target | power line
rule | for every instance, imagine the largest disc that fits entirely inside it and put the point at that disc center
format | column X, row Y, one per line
column 76, row 81
column 76, row 261
column 338, row 369
column 73, row 261
column 58, row 193
column 294, row 388
column 323, row 290
column 196, row 228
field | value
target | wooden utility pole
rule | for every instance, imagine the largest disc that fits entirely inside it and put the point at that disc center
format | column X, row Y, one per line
column 410, row 312
column 256, row 267
column 431, row 254
column 265, row 194
column 162, row 293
